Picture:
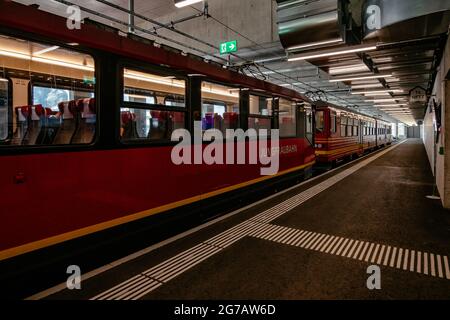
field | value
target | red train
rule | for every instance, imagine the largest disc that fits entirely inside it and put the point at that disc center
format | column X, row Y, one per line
column 343, row 134
column 86, row 118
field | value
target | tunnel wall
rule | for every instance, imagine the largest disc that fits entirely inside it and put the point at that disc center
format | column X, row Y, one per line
column 441, row 149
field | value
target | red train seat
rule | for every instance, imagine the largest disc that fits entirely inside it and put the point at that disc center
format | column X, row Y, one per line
column 22, row 120
column 86, row 121
column 67, row 122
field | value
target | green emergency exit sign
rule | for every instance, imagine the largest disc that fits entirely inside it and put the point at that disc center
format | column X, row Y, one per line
column 227, row 47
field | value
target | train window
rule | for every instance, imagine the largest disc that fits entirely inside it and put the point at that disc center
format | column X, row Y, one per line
column 48, row 97
column 260, row 115
column 309, row 125
column 4, row 102
column 153, row 106
column 260, row 105
column 220, row 107
column 320, row 123
column 355, row 127
column 287, row 118
column 333, row 121
column 60, row 108
column 343, row 126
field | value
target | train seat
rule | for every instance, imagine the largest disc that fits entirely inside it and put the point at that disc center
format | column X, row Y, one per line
column 67, row 120
column 177, row 120
column 159, row 125
column 128, row 126
column 36, row 125
column 22, row 119
column 86, row 123
column 230, row 120
column 208, row 121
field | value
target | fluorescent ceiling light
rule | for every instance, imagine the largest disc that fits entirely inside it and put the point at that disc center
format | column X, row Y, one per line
column 45, row 60
column 378, row 76
column 378, row 91
column 314, row 44
column 367, row 86
column 37, row 53
column 62, row 64
column 185, row 3
column 384, row 100
column 391, row 105
column 331, row 53
column 162, row 81
column 15, row 55
column 348, row 69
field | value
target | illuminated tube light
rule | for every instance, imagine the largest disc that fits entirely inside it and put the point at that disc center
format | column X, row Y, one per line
column 15, row 55
column 45, row 60
column 378, row 76
column 314, row 44
column 392, row 105
column 384, row 100
column 153, row 80
column 184, row 3
column 367, row 86
column 380, row 91
column 348, row 69
column 333, row 53
column 46, row 50
column 62, row 64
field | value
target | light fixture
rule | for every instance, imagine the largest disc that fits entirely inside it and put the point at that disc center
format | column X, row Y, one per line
column 378, row 91
column 378, row 76
column 146, row 78
column 62, row 63
column 185, row 3
column 37, row 53
column 384, row 100
column 314, row 44
column 15, row 55
column 367, row 86
column 45, row 60
column 348, row 69
column 330, row 53
column 391, row 105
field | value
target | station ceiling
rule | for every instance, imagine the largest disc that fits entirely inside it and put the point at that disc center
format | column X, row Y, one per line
column 253, row 23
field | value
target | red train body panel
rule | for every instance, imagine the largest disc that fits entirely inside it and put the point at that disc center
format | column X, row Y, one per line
column 51, row 195
column 342, row 134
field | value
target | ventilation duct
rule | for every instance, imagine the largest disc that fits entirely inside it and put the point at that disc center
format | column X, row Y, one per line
column 309, row 24
column 396, row 20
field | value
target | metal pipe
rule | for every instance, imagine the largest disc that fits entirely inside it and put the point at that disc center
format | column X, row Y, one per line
column 131, row 16
column 152, row 33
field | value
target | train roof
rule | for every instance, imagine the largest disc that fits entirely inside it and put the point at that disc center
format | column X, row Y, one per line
column 30, row 19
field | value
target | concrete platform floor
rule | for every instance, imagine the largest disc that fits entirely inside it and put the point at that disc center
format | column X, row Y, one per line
column 313, row 242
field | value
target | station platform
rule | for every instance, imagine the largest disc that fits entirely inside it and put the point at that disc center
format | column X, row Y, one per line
column 313, row 241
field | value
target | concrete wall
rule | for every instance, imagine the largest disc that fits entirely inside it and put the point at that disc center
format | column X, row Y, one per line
column 441, row 92
column 243, row 16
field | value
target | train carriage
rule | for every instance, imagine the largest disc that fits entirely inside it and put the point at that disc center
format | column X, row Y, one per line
column 86, row 118
column 342, row 134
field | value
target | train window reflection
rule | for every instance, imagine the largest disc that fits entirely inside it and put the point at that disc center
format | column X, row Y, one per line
column 60, row 108
column 153, row 106
column 287, row 118
column 220, row 107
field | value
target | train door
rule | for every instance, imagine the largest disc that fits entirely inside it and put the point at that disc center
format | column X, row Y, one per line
column 305, row 122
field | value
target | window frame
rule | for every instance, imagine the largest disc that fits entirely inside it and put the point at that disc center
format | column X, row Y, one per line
column 7, row 149
column 9, row 108
column 272, row 118
column 145, row 67
column 295, row 107
column 233, row 86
